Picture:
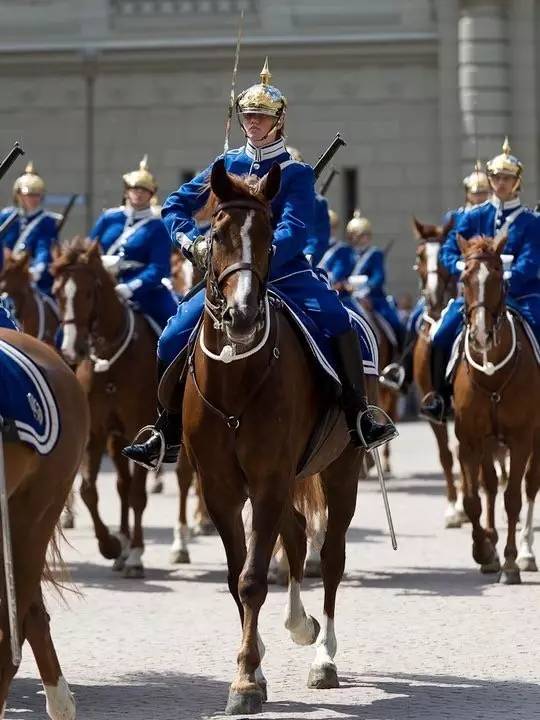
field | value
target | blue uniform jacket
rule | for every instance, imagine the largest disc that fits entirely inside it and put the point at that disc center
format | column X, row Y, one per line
column 450, row 253
column 34, row 234
column 523, row 243
column 145, row 241
column 339, row 261
column 370, row 262
column 319, row 239
column 292, row 208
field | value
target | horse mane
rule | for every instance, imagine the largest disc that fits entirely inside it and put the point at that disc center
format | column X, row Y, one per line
column 70, row 252
column 479, row 245
column 243, row 186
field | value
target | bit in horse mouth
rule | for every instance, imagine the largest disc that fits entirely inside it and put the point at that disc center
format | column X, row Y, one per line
column 240, row 339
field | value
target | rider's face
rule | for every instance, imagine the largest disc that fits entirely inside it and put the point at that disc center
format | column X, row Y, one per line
column 477, row 198
column 30, row 202
column 259, row 128
column 139, row 198
column 503, row 186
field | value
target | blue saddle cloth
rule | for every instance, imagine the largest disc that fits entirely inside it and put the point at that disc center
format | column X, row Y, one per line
column 321, row 345
column 27, row 400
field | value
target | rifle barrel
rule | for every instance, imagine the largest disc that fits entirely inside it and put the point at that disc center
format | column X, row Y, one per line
column 10, row 158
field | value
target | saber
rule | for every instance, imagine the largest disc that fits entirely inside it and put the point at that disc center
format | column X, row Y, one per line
column 327, row 155
column 233, row 84
column 10, row 158
column 375, row 453
column 8, row 559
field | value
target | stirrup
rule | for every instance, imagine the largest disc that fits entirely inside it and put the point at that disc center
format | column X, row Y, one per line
column 442, row 417
column 383, row 440
column 159, row 461
column 390, row 384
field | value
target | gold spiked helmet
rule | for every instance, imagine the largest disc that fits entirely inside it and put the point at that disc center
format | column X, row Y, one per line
column 477, row 181
column 30, row 183
column 358, row 224
column 505, row 163
column 141, row 178
column 263, row 98
column 334, row 218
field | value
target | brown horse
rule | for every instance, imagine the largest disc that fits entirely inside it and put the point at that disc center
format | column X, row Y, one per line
column 35, row 312
column 37, row 487
column 496, row 399
column 248, row 419
column 437, row 288
column 114, row 349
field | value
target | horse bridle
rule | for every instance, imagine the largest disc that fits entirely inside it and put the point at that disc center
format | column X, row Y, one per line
column 218, row 305
column 425, row 293
column 497, row 315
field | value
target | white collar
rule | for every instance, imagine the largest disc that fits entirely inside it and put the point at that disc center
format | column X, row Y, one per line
column 31, row 216
column 267, row 152
column 134, row 215
column 503, row 206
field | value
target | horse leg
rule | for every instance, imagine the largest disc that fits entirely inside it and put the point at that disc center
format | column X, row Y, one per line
column 483, row 550
column 303, row 628
column 109, row 545
column 179, row 552
column 451, row 516
column 134, row 567
column 245, row 695
column 519, row 454
column 67, row 519
column 490, row 479
column 340, row 486
column 312, row 566
column 60, row 701
column 203, row 523
column 526, row 560
column 123, row 484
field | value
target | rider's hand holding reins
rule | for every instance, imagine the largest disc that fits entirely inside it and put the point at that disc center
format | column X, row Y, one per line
column 124, row 291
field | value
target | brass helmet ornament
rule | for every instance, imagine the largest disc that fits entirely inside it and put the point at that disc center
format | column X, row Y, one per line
column 506, row 164
column 141, row 178
column 28, row 184
column 358, row 225
column 477, row 181
column 262, row 99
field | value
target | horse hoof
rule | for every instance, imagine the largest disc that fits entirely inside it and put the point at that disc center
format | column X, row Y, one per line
column 312, row 569
column 249, row 703
column 111, row 548
column 510, row 577
column 133, row 572
column 157, row 487
column 67, row 521
column 483, row 552
column 205, row 529
column 527, row 564
column 491, row 567
column 180, row 557
column 119, row 563
column 264, row 689
column 452, row 521
column 323, row 677
column 462, row 516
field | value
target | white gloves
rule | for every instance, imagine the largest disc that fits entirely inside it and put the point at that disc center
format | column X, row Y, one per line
column 111, row 263
column 124, row 291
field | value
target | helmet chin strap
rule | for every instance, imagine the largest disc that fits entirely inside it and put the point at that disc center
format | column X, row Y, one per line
column 276, row 126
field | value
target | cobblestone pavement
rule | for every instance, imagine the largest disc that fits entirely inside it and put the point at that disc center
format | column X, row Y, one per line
column 421, row 633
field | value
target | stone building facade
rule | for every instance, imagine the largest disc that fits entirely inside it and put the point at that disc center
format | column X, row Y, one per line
column 417, row 88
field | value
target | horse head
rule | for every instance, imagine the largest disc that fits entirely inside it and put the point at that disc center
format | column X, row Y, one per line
column 78, row 279
column 483, row 288
column 15, row 276
column 434, row 277
column 240, row 251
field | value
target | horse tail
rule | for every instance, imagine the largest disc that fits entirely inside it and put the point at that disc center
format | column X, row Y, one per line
column 308, row 498
column 55, row 571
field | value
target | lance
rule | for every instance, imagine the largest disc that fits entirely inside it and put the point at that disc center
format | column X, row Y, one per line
column 10, row 158
column 327, row 155
column 233, row 84
column 326, row 184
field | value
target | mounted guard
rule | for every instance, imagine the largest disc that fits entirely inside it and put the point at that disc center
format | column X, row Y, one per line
column 136, row 248
column 261, row 111
column 30, row 228
column 503, row 214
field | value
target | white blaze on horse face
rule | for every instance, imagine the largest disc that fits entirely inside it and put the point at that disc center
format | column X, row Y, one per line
column 70, row 330
column 481, row 333
column 243, row 287
column 432, row 263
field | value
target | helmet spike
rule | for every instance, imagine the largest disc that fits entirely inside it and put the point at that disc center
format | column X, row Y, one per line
column 506, row 146
column 266, row 75
column 30, row 168
column 357, row 213
column 143, row 165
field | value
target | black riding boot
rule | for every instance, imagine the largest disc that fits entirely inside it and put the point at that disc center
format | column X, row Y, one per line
column 364, row 430
column 436, row 405
column 165, row 438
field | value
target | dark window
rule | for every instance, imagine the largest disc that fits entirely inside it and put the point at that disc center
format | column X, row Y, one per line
column 350, row 192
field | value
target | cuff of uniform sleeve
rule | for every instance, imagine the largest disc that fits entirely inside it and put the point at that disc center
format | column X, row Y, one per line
column 184, row 242
column 134, row 284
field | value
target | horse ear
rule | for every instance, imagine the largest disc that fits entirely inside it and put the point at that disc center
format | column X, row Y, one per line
column 271, row 182
column 220, row 181
column 462, row 243
column 94, row 250
column 418, row 228
column 499, row 242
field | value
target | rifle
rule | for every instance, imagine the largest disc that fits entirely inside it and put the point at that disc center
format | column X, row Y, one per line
column 327, row 155
column 65, row 214
column 326, row 184
column 10, row 158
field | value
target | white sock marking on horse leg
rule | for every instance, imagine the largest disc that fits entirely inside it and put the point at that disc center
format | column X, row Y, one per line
column 259, row 675
column 70, row 330
column 181, row 537
column 243, row 287
column 60, row 701
column 526, row 537
column 326, row 644
column 3, row 711
column 134, row 559
column 297, row 622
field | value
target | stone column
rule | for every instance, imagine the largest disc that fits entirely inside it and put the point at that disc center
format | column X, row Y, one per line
column 484, row 79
